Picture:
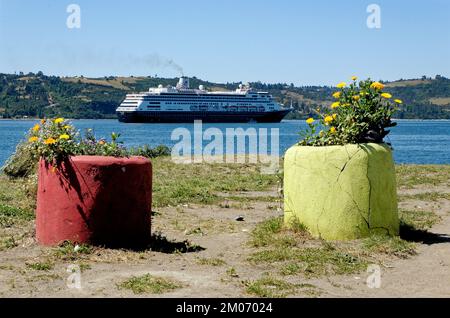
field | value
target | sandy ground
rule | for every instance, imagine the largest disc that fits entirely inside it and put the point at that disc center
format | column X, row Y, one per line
column 216, row 231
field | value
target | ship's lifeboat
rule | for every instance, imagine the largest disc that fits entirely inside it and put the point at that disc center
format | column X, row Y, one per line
column 261, row 109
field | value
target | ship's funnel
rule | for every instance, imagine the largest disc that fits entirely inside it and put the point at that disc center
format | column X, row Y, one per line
column 183, row 83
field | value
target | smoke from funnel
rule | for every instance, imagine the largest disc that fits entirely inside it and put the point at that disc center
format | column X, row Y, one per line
column 158, row 61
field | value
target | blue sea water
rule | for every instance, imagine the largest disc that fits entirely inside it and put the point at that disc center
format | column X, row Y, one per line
column 414, row 141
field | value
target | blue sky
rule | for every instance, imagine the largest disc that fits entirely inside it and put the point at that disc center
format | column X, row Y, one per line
column 304, row 42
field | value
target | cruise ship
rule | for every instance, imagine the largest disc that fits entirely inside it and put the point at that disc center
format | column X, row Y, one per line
column 182, row 104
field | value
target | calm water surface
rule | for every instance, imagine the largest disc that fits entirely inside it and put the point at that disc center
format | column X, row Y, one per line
column 414, row 141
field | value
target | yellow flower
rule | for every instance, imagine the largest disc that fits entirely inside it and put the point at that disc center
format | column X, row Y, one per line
column 341, row 85
column 59, row 120
column 64, row 136
column 333, row 130
column 67, row 127
column 309, row 121
column 328, row 119
column 356, row 97
column 386, row 95
column 334, row 116
column 346, row 104
column 33, row 139
column 42, row 121
column 398, row 101
column 377, row 85
column 335, row 104
column 49, row 141
column 354, row 78
column 337, row 95
column 36, row 127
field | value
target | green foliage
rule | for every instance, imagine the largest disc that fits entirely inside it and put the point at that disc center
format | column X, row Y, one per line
column 361, row 113
column 22, row 163
column 149, row 152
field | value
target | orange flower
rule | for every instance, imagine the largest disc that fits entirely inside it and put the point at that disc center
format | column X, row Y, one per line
column 33, row 139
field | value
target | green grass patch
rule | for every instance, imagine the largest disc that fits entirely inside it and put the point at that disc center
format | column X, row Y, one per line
column 312, row 261
column 426, row 196
column 410, row 176
column 291, row 269
column 70, row 251
column 383, row 244
column 176, row 184
column 274, row 232
column 245, row 199
column 149, row 284
column 7, row 243
column 418, row 220
column 271, row 287
column 211, row 261
column 291, row 251
column 232, row 272
column 10, row 215
column 46, row 266
column 17, row 200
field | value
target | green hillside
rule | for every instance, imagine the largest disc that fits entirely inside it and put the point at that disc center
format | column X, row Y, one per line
column 38, row 95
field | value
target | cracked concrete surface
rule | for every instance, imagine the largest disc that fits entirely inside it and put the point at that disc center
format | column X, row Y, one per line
column 341, row 192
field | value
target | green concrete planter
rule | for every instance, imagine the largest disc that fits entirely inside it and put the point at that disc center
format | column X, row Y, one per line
column 341, row 192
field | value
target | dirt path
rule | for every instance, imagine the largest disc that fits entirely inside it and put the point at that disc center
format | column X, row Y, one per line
column 221, row 237
column 425, row 275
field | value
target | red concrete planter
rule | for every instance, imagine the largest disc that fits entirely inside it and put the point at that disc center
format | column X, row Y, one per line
column 95, row 199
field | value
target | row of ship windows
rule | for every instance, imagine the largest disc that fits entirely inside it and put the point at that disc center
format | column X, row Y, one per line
column 201, row 99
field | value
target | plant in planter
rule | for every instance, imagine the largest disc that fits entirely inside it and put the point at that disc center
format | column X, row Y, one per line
column 89, row 190
column 339, row 180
